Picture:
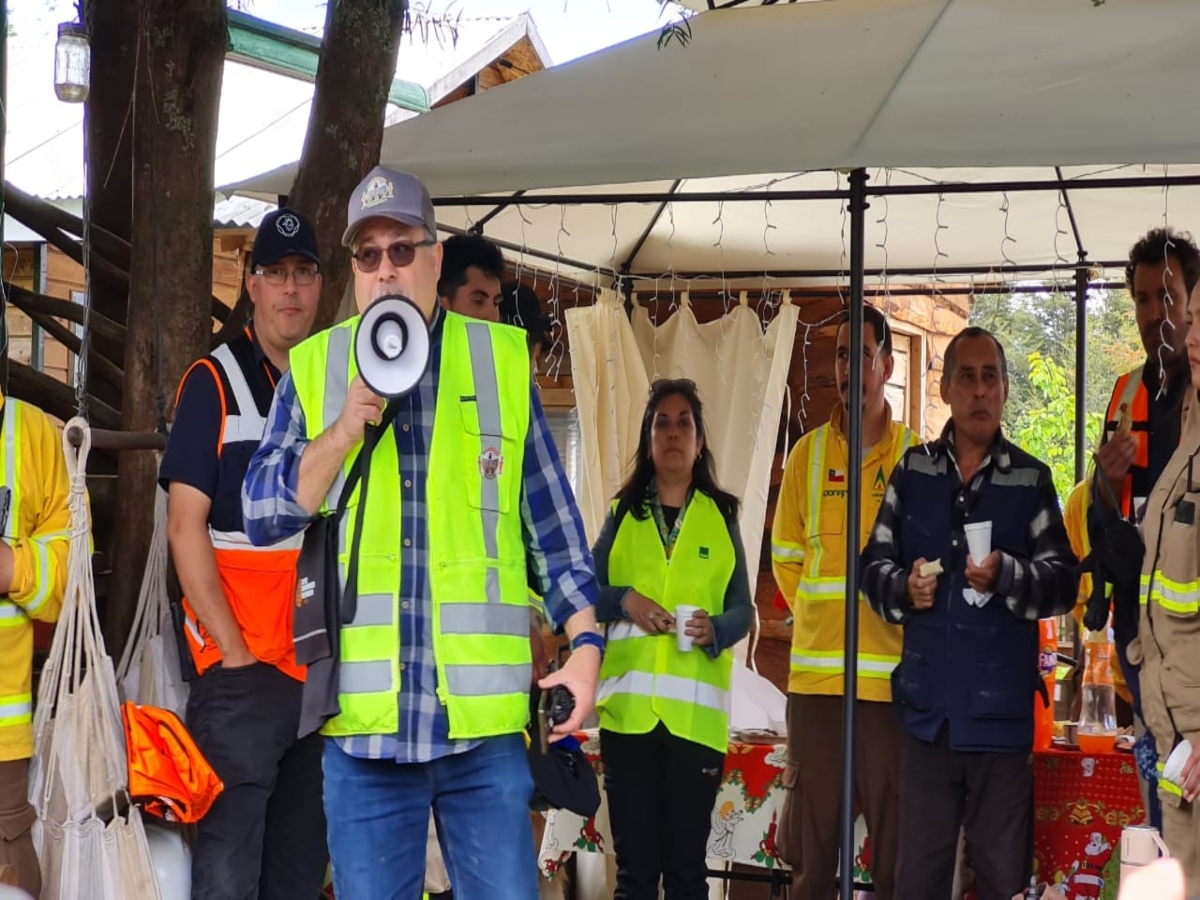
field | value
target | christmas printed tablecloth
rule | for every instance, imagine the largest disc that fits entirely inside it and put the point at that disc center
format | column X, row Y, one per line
column 745, row 817
column 1081, row 803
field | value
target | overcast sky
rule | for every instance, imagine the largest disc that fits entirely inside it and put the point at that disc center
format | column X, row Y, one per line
column 569, row 28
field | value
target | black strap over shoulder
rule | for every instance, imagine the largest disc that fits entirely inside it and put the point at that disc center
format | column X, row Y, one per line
column 360, row 470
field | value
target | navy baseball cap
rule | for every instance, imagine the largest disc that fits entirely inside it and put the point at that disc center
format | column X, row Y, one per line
column 283, row 233
column 388, row 194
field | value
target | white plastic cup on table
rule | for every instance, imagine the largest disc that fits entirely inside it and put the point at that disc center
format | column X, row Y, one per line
column 979, row 540
column 683, row 615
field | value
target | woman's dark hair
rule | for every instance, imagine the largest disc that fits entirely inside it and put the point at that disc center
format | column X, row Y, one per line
column 634, row 494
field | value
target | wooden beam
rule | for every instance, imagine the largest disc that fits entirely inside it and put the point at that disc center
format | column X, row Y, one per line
column 30, row 302
column 56, row 398
column 105, row 439
column 44, row 217
column 103, row 366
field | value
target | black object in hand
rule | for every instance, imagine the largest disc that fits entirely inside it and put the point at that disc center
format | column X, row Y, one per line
column 560, row 706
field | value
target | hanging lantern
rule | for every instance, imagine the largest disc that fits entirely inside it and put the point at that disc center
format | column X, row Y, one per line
column 72, row 63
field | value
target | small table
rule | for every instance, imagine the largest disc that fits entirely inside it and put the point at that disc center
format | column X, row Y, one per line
column 1081, row 803
column 745, row 818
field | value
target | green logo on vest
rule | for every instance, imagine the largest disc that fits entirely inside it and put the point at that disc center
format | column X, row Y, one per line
column 880, row 481
column 704, row 553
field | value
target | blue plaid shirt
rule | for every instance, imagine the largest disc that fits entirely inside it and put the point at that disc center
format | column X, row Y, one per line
column 554, row 540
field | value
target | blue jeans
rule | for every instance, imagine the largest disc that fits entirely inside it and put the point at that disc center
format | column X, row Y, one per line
column 378, row 814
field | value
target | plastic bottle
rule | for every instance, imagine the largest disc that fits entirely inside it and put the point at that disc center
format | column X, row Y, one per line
column 1032, row 892
column 1098, row 718
column 1043, row 711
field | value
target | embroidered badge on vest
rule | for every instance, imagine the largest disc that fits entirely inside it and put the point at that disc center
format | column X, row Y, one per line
column 491, row 463
column 704, row 553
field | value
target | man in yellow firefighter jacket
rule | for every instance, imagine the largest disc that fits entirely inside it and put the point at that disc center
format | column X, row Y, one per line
column 808, row 556
column 434, row 663
column 35, row 535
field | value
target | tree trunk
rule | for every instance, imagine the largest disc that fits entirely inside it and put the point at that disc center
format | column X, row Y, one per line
column 174, row 146
column 113, row 26
column 345, row 127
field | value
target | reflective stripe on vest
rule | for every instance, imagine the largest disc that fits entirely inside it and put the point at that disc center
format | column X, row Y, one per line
column 1179, row 597
column 1163, row 784
column 645, row 679
column 16, row 709
column 12, row 466
column 258, row 582
column 819, row 589
column 476, row 551
column 11, row 615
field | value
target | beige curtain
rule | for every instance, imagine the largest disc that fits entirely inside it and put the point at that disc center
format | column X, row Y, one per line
column 740, row 371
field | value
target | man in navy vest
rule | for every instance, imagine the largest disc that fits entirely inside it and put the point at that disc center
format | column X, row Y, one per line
column 966, row 683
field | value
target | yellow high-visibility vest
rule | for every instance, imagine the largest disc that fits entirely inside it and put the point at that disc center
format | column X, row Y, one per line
column 476, row 551
column 645, row 678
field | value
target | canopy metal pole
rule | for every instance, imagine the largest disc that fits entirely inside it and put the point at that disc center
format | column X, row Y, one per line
column 857, row 210
column 1081, row 312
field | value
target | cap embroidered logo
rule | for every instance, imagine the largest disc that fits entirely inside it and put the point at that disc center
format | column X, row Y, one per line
column 287, row 225
column 378, row 191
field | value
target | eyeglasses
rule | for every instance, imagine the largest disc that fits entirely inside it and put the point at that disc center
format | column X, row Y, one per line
column 400, row 254
column 278, row 275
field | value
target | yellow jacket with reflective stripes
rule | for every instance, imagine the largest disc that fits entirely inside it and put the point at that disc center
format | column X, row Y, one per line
column 1075, row 520
column 38, row 529
column 808, row 557
column 1169, row 625
column 477, row 572
column 645, row 678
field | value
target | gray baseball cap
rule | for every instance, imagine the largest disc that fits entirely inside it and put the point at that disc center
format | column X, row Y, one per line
column 388, row 194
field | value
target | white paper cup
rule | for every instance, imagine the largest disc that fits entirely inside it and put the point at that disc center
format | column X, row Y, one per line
column 979, row 540
column 682, row 615
column 1173, row 767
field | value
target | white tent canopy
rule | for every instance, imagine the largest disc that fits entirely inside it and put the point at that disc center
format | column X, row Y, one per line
column 1020, row 85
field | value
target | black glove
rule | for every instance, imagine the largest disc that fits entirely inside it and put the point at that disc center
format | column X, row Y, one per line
column 1116, row 559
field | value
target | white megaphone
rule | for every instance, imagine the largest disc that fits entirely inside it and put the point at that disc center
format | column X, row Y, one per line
column 391, row 346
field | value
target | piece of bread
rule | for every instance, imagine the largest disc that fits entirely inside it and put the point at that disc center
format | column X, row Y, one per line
column 931, row 568
column 1124, row 419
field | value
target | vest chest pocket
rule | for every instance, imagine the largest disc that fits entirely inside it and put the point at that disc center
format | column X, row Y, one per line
column 491, row 460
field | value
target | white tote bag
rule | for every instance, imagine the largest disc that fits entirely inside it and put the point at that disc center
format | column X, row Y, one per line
column 90, row 841
column 149, row 672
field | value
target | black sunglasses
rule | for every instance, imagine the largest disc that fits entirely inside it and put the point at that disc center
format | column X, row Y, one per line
column 400, row 254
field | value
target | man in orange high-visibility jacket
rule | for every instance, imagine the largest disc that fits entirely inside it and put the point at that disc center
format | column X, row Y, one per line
column 35, row 536
column 264, row 836
column 1141, row 428
column 808, row 557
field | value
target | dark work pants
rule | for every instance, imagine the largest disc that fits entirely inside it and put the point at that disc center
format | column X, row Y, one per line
column 661, row 791
column 989, row 794
column 809, row 829
column 264, row 838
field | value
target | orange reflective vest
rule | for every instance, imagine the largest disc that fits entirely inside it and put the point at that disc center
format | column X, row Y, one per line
column 259, row 583
column 168, row 774
column 1131, row 389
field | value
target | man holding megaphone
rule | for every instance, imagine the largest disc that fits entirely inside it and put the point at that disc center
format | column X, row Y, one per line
column 445, row 486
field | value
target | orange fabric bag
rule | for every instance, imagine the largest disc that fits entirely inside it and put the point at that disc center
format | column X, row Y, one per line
column 168, row 775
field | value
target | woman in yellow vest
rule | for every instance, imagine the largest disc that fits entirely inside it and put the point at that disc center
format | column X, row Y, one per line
column 670, row 548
